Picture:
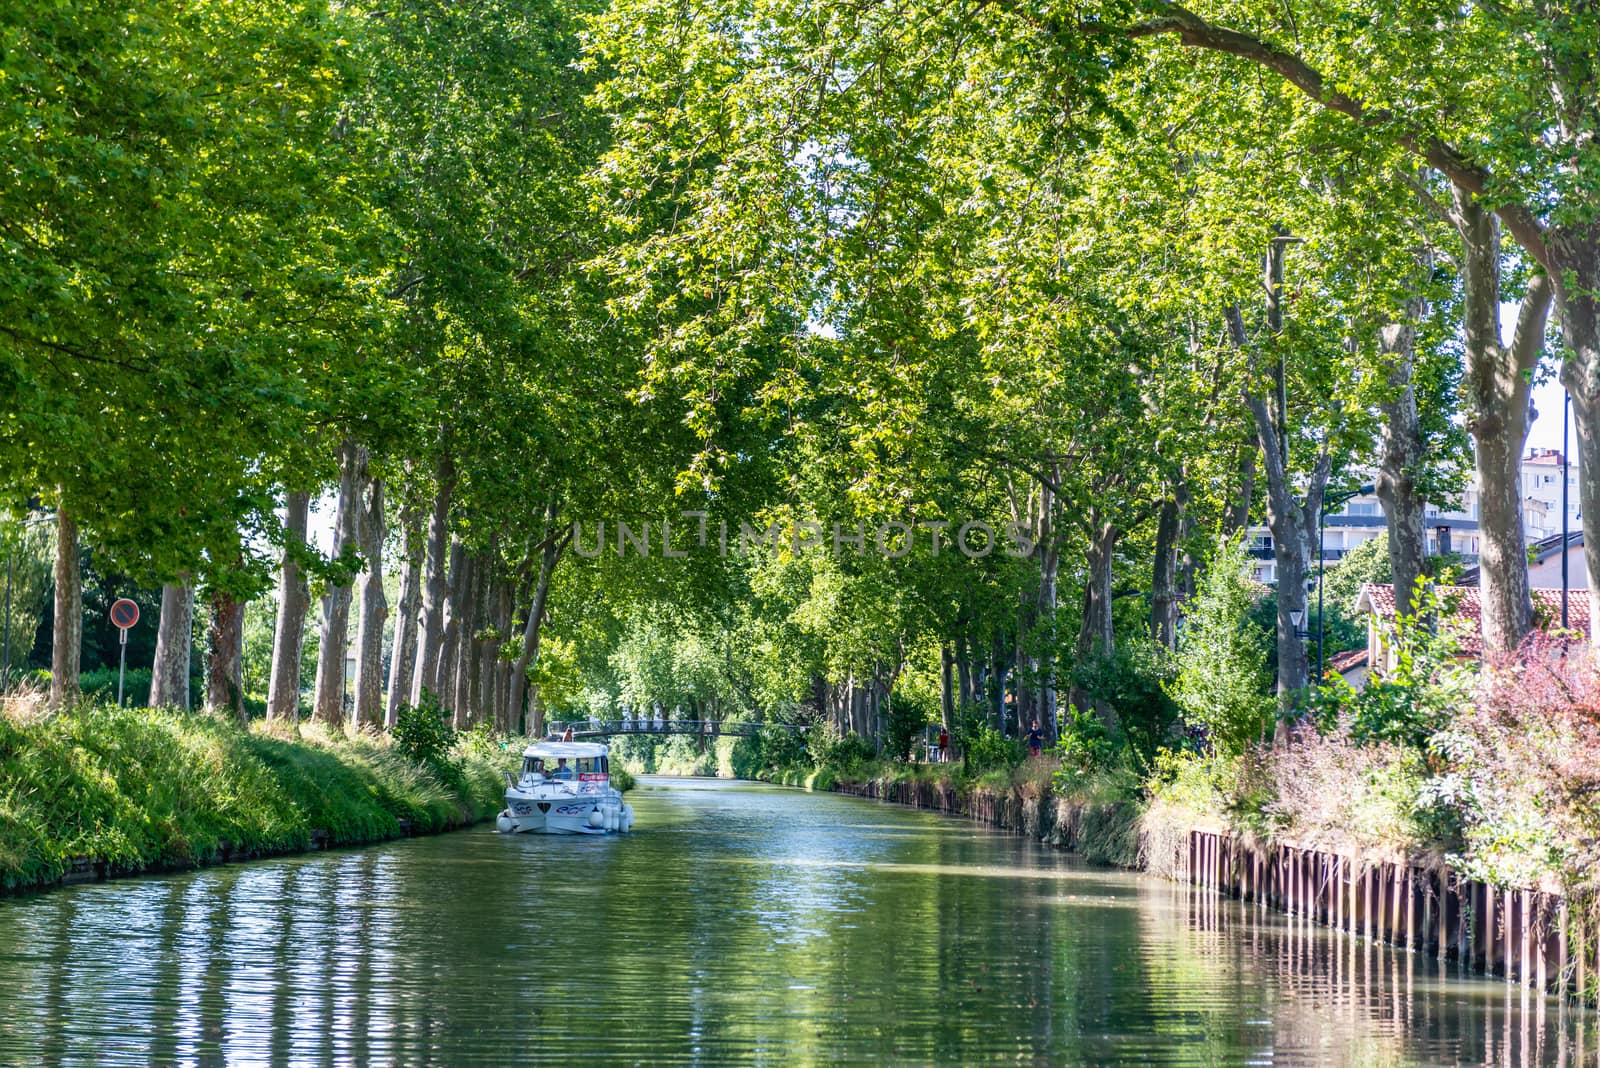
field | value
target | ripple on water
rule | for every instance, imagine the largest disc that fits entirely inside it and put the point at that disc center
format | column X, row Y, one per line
column 740, row 924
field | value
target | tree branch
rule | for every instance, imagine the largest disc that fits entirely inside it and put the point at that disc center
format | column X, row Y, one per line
column 1195, row 32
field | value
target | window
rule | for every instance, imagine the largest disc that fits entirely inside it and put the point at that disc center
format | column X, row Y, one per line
column 1362, row 508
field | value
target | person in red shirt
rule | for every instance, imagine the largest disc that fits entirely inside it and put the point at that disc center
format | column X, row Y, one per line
column 944, row 746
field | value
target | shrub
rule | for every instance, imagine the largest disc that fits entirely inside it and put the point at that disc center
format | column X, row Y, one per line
column 422, row 732
column 1134, row 681
column 908, row 717
column 1084, row 745
column 1423, row 689
column 839, row 752
column 1520, row 767
column 985, row 749
column 1338, row 790
column 1221, row 681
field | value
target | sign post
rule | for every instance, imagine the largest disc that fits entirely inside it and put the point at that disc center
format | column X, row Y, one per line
column 124, row 614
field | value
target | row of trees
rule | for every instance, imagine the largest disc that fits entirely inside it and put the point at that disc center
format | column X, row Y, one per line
column 1114, row 277
column 255, row 256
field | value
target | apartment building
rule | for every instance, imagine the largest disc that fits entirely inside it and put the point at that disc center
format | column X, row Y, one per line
column 1447, row 530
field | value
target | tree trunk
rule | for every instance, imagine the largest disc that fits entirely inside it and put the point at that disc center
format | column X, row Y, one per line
column 947, row 697
column 1400, row 456
column 466, row 613
column 328, row 701
column 1293, row 522
column 430, row 628
column 1237, row 516
column 1498, row 384
column 482, row 680
column 1049, row 588
column 225, row 662
column 66, row 650
column 1164, row 580
column 500, row 678
column 403, row 656
column 1096, row 631
column 997, row 681
column 549, row 556
column 283, row 688
column 964, row 688
column 444, row 678
column 169, row 683
column 1579, row 253
column 374, row 609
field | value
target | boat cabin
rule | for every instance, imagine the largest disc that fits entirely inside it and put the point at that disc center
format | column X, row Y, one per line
column 577, row 761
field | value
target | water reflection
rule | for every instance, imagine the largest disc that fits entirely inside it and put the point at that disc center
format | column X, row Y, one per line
column 741, row 924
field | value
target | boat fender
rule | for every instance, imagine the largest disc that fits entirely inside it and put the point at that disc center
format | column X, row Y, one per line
column 627, row 817
column 502, row 823
column 596, row 818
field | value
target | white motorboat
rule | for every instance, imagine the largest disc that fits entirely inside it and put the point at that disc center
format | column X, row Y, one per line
column 564, row 788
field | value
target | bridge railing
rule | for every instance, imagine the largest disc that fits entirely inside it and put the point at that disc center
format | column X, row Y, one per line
column 600, row 728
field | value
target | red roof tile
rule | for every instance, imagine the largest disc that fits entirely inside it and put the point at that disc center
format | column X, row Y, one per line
column 1379, row 598
column 1347, row 660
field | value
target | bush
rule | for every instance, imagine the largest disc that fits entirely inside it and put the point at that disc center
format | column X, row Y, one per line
column 422, row 732
column 1221, row 680
column 1520, row 767
column 1084, row 745
column 1424, row 689
column 101, row 685
column 1134, row 681
column 772, row 750
column 908, row 717
column 837, row 752
column 985, row 749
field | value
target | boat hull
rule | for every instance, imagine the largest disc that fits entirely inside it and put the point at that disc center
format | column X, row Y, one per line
column 564, row 815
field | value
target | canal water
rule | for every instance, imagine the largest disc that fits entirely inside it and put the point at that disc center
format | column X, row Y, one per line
column 739, row 924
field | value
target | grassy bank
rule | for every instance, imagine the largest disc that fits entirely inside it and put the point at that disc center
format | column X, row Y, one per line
column 134, row 790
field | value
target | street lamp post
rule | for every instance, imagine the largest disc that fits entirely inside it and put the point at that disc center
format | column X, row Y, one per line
column 1334, row 500
column 1566, row 406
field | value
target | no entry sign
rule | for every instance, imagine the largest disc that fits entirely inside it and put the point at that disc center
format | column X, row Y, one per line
column 124, row 613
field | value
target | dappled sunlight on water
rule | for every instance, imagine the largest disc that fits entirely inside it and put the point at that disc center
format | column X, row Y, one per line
column 740, row 924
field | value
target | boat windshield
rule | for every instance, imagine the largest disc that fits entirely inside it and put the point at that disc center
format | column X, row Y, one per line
column 588, row 769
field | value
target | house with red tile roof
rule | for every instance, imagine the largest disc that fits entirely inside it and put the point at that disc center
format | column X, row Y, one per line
column 1376, row 602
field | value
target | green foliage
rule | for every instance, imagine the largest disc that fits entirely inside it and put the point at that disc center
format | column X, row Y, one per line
column 1221, row 676
column 1084, row 745
column 831, row 750
column 908, row 717
column 1424, row 688
column 1134, row 681
column 985, row 749
column 139, row 789
column 422, row 732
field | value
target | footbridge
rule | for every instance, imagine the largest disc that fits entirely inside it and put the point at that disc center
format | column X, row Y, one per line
column 702, row 728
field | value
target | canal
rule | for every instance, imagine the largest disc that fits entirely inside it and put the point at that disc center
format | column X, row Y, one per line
column 740, row 924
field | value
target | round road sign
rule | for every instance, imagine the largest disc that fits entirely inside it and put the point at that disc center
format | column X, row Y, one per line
column 124, row 613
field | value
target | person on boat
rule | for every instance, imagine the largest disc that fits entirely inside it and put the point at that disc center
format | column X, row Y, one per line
column 562, row 771
column 1035, row 739
column 944, row 746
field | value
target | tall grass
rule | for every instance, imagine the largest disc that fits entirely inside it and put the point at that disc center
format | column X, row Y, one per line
column 138, row 789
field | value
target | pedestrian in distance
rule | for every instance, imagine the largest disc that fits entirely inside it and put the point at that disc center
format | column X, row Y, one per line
column 1035, row 740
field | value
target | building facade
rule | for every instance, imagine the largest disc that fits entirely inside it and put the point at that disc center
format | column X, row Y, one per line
column 1448, row 530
